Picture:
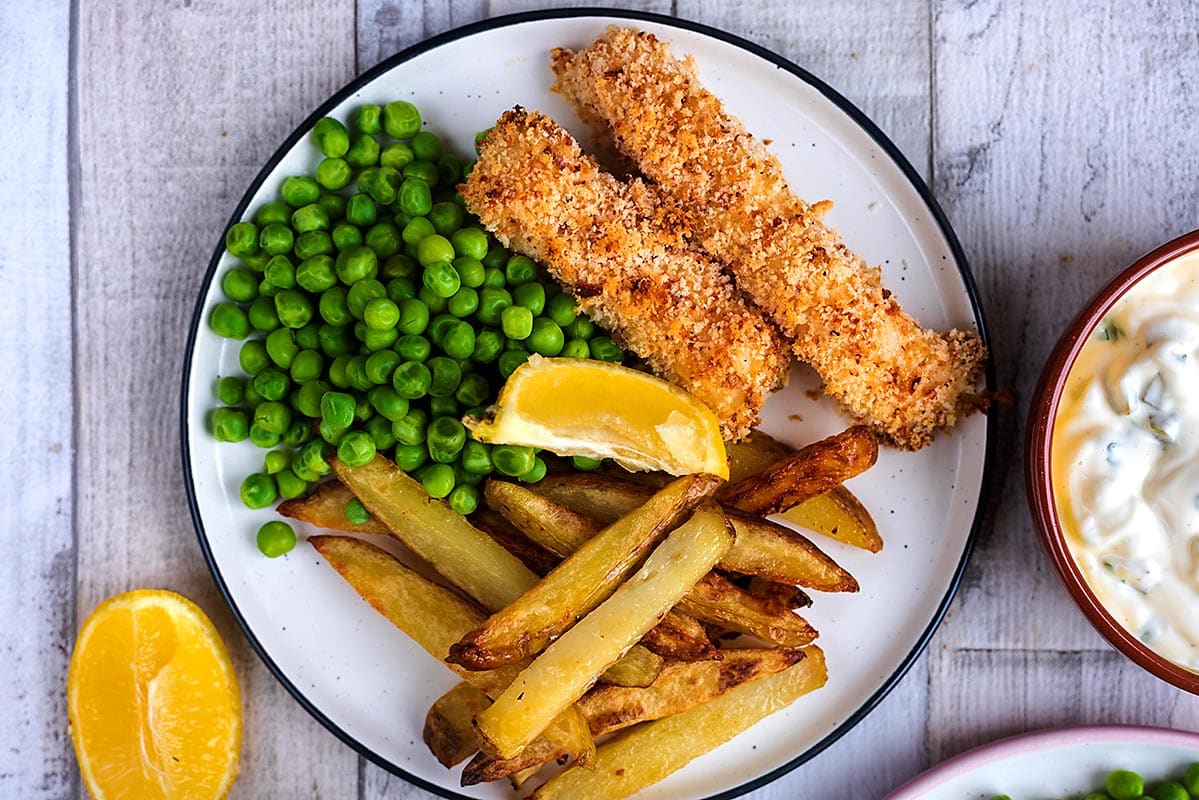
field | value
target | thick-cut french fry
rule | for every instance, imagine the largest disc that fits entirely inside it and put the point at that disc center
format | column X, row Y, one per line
column 548, row 522
column 753, row 454
column 808, row 473
column 460, row 552
column 715, row 599
column 648, row 753
column 448, row 732
column 639, row 667
column 326, row 508
column 680, row 637
column 435, row 617
column 838, row 515
column 762, row 547
column 583, row 581
column 779, row 596
column 681, row 686
column 483, row 768
column 531, row 554
column 570, row 665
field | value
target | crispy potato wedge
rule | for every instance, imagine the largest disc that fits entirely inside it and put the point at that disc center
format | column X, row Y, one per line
column 680, row 637
column 583, row 581
column 753, row 454
column 761, row 548
column 648, row 753
column 435, row 617
column 715, row 599
column 448, row 731
column 546, row 521
column 531, row 554
column 326, row 508
column 681, row 686
column 838, row 515
column 570, row 666
column 460, row 552
column 809, row 473
column 780, row 596
column 638, row 667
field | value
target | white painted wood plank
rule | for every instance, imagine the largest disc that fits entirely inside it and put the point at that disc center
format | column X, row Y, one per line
column 37, row 573
column 179, row 107
column 386, row 27
column 1058, row 133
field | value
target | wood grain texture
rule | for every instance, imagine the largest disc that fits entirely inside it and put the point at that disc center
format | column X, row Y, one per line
column 37, row 572
column 179, row 107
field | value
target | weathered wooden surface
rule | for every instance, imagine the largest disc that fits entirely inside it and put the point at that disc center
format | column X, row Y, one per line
column 1056, row 136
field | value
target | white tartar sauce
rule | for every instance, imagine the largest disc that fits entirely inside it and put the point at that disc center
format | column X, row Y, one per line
column 1125, row 460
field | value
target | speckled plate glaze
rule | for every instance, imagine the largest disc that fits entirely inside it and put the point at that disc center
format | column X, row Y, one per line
column 366, row 681
column 1067, row 762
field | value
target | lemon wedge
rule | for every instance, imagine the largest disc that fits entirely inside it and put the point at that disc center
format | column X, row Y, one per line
column 153, row 701
column 577, row 407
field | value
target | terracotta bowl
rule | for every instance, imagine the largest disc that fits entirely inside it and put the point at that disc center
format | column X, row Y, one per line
column 1042, row 415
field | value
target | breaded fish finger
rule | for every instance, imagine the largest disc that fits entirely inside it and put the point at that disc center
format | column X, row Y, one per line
column 885, row 369
column 625, row 261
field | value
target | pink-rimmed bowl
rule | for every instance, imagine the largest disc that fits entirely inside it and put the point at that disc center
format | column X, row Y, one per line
column 1039, row 474
column 1064, row 762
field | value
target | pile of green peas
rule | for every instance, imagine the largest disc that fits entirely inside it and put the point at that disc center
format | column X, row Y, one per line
column 1123, row 784
column 376, row 313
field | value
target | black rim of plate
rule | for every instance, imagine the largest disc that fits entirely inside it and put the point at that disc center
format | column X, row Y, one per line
column 837, row 99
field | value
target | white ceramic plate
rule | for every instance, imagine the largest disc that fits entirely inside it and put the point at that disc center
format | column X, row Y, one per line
column 366, row 681
column 1058, row 763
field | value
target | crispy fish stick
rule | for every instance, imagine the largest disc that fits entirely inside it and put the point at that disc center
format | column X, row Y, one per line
column 903, row 380
column 625, row 260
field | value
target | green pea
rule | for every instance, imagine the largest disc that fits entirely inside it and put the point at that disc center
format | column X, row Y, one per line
column 313, row 457
column 513, row 460
column 337, row 409
column 330, row 137
column 356, row 513
column 230, row 425
column 604, row 349
column 473, row 390
column 410, row 457
column 273, row 417
column 381, row 314
column 337, row 372
column 410, row 429
column 510, row 360
column 399, row 266
column 307, row 365
column 387, row 402
column 1122, row 784
column 240, row 284
column 476, row 459
column 585, row 464
column 272, row 212
column 361, row 210
column 1171, row 790
column 530, row 296
column 229, row 321
column 308, row 337
column 581, row 328
column 333, row 174
column 446, row 218
column 444, row 407
column 575, row 348
column 470, row 243
column 380, row 365
column 281, row 347
column 434, row 249
column 464, row 302
column 459, row 340
column 271, row 384
column 280, row 272
column 333, row 307
column 493, row 278
column 312, row 217
column 488, row 344
column 401, row 289
column 267, row 289
column 427, row 145
column 411, row 380
column 379, row 429
column 356, row 448
column 436, row 303
column 414, row 348
column 445, row 438
column 293, row 308
column 346, row 235
column 361, row 293
column 517, row 322
column 290, row 485
column 364, row 152
column 231, row 390
column 313, row 243
column 253, row 398
column 253, row 357
column 316, row 274
column 356, row 373
column 401, row 119
column 261, row 437
column 547, row 338
column 415, row 198
column 275, row 462
column 449, row 169
column 369, row 118
column 355, row 264
column 298, row 432
column 492, row 302
column 241, row 239
column 307, row 399
column 397, row 155
column 258, row 490
column 413, row 316
column 384, row 239
column 423, row 171
column 334, row 205
column 520, row 269
column 275, row 538
column 445, row 375
column 536, row 472
column 471, row 273
column 381, row 183
column 440, row 278
column 561, row 309
column 1191, row 779
column 438, row 480
column 299, row 190
column 464, row 499
column 496, row 257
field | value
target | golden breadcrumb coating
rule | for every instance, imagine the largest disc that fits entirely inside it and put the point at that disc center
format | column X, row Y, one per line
column 886, row 370
column 623, row 258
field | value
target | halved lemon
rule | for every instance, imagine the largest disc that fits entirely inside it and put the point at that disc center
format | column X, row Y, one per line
column 153, row 701
column 576, row 407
